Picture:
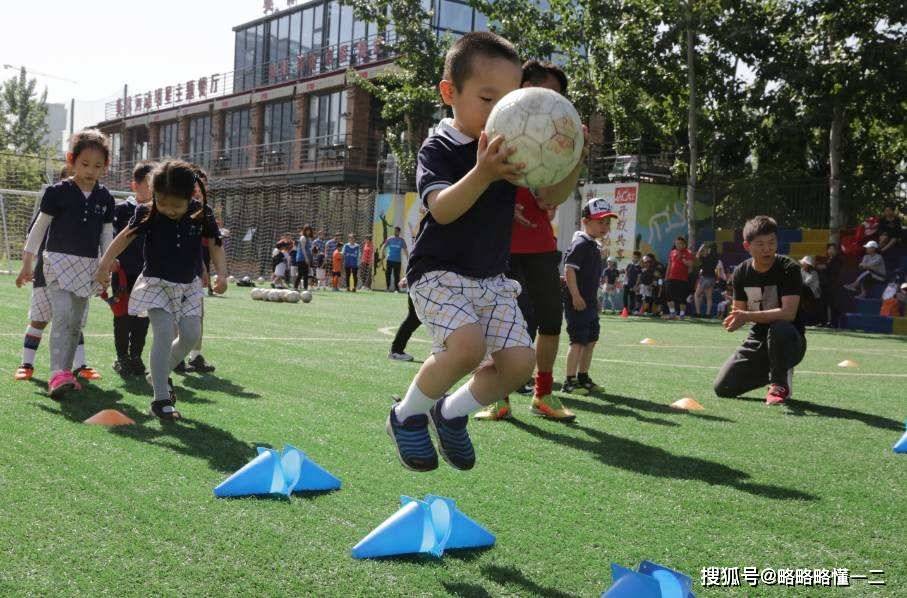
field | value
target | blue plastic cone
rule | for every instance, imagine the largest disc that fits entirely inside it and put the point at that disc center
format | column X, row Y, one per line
column 674, row 584
column 311, row 476
column 407, row 531
column 261, row 475
column 650, row 581
column 630, row 584
column 901, row 445
column 464, row 532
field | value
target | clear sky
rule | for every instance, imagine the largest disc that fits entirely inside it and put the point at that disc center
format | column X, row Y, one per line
column 102, row 44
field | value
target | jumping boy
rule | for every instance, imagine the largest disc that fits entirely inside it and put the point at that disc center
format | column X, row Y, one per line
column 767, row 293
column 460, row 293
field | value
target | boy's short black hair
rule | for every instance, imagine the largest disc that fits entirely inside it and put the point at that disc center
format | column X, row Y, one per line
column 142, row 170
column 835, row 245
column 639, row 253
column 681, row 238
column 759, row 226
column 536, row 72
column 459, row 58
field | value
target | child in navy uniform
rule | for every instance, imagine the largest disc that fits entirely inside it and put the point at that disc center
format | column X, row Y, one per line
column 632, row 281
column 582, row 271
column 129, row 332
column 39, row 314
column 609, row 287
column 456, row 271
column 168, row 291
column 77, row 218
column 351, row 252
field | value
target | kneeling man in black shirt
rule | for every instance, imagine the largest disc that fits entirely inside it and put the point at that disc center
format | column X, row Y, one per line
column 767, row 293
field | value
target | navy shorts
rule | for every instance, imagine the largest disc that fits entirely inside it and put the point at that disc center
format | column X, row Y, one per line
column 582, row 326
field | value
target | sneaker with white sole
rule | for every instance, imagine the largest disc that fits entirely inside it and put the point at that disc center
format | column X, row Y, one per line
column 399, row 356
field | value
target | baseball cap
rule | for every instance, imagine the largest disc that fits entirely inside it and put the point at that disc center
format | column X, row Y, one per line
column 598, row 208
column 871, row 244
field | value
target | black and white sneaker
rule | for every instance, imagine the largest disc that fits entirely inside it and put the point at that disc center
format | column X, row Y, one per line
column 453, row 439
column 412, row 441
column 404, row 356
column 198, row 364
column 527, row 389
column 165, row 410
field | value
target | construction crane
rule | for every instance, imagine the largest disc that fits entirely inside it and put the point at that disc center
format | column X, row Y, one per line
column 16, row 68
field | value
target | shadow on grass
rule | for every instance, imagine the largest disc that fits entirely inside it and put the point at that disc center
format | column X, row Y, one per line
column 618, row 402
column 634, row 456
column 465, row 590
column 77, row 406
column 512, row 576
column 216, row 384
column 806, row 408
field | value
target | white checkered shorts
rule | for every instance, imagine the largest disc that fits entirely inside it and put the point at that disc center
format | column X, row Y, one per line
column 446, row 301
column 72, row 273
column 41, row 310
column 180, row 299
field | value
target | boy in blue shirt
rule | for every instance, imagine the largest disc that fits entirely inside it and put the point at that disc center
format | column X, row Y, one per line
column 582, row 271
column 351, row 262
column 456, row 271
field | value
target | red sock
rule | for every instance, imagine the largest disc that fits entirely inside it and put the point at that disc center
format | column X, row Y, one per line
column 543, row 383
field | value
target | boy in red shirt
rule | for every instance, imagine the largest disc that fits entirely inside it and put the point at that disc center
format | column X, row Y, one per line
column 336, row 268
column 677, row 285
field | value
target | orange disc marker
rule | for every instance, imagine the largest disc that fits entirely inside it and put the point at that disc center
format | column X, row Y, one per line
column 109, row 417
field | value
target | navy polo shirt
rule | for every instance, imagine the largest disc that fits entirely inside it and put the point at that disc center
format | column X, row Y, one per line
column 131, row 260
column 172, row 247
column 78, row 220
column 585, row 258
column 477, row 244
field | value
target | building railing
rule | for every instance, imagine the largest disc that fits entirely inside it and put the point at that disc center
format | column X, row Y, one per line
column 305, row 65
column 328, row 153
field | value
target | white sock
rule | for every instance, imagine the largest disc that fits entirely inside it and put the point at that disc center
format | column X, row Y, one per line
column 671, row 309
column 32, row 340
column 683, row 312
column 415, row 402
column 193, row 354
column 460, row 403
column 78, row 358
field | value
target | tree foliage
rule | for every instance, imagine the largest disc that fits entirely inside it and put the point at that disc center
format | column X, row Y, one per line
column 25, row 121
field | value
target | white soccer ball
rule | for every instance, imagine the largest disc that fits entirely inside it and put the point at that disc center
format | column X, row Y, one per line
column 545, row 129
column 292, row 297
column 274, row 295
column 231, row 279
column 306, row 296
column 260, row 279
column 257, row 294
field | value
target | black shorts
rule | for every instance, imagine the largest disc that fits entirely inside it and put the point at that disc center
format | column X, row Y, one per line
column 677, row 290
column 540, row 299
column 582, row 326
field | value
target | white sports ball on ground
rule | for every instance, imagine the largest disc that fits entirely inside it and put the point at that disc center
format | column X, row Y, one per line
column 274, row 295
column 284, row 293
column 260, row 279
column 545, row 129
column 257, row 294
column 292, row 297
column 231, row 279
column 306, row 296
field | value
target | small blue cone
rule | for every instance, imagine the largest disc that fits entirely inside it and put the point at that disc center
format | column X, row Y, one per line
column 261, row 475
column 407, row 531
column 650, row 581
column 312, row 477
column 464, row 532
column 901, row 445
column 427, row 526
column 630, row 584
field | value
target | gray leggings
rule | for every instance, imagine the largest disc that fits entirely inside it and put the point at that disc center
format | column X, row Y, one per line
column 68, row 309
column 167, row 352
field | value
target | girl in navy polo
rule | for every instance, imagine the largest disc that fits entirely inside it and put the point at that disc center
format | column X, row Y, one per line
column 77, row 218
column 168, row 291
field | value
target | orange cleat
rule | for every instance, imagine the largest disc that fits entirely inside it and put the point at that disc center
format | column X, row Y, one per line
column 87, row 373
column 24, row 372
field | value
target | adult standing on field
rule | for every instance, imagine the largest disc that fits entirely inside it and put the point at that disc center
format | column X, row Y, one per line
column 534, row 263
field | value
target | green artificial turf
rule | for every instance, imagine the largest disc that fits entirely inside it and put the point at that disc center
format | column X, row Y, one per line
column 130, row 511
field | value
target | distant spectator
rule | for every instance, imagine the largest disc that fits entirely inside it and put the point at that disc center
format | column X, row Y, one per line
column 609, row 285
column 367, row 264
column 829, row 279
column 811, row 295
column 873, row 270
column 632, row 281
column 708, row 274
column 647, row 285
column 677, row 286
column 890, row 224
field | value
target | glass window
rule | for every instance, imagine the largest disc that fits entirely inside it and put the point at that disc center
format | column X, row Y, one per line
column 236, row 140
column 278, row 134
column 346, row 24
column 200, row 140
column 455, row 16
column 168, row 140
column 295, row 21
column 334, row 24
column 481, row 22
column 239, row 49
column 307, row 27
column 359, row 30
column 259, row 60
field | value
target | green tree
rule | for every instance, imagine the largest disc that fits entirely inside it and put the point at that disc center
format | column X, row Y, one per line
column 408, row 93
column 26, row 122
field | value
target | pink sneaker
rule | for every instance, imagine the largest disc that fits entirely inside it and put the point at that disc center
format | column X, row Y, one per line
column 777, row 394
column 61, row 383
